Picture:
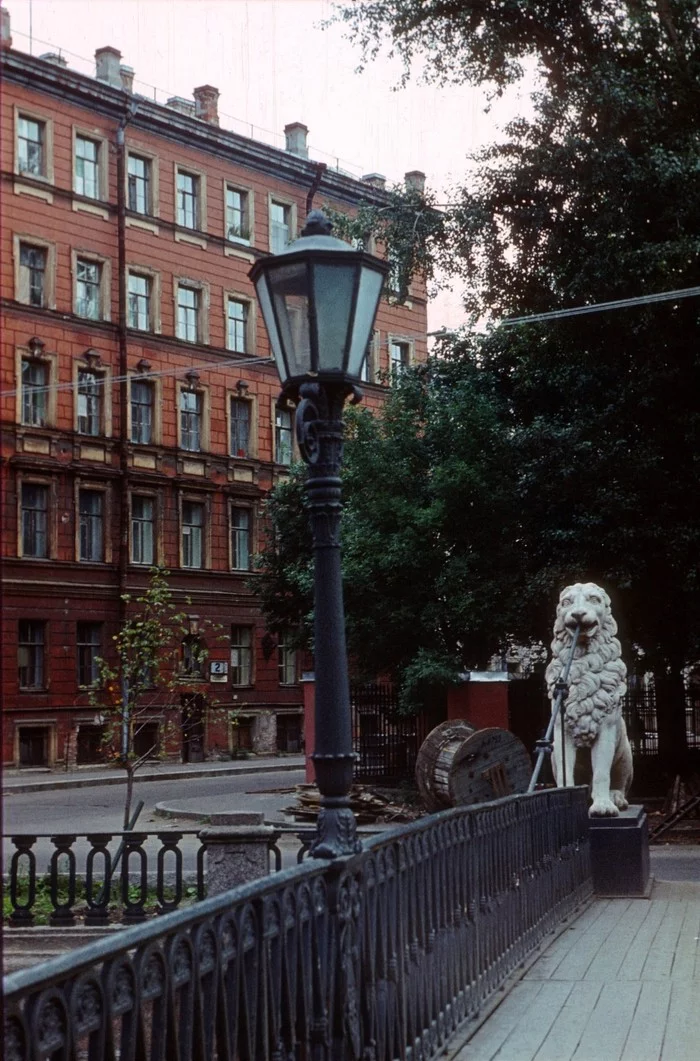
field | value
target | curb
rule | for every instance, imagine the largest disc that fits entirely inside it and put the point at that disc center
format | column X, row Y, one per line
column 165, row 775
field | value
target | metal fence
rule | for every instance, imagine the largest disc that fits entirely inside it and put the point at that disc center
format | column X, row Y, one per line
column 383, row 955
column 387, row 742
column 639, row 709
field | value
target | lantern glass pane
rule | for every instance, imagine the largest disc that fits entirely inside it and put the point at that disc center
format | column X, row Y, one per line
column 333, row 290
column 290, row 291
column 271, row 325
column 367, row 300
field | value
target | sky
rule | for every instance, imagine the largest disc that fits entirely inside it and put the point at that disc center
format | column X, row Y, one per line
column 273, row 63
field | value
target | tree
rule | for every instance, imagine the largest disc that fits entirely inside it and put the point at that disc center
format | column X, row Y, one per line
column 154, row 653
column 594, row 198
column 430, row 575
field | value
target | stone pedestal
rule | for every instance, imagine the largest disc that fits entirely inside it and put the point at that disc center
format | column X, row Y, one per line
column 620, row 854
column 238, row 848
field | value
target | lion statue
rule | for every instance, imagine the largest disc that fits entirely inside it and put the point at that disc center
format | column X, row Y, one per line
column 595, row 736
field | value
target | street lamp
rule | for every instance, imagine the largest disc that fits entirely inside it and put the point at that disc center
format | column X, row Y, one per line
column 319, row 298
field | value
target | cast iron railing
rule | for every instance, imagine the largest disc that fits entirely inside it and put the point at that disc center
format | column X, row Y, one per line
column 144, row 866
column 378, row 956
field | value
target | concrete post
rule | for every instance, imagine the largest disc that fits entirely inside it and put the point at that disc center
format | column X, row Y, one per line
column 237, row 850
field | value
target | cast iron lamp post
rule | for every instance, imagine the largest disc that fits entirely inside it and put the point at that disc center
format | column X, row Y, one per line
column 319, row 298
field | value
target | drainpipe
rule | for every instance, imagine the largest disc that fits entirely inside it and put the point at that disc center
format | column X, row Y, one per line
column 123, row 400
column 321, row 168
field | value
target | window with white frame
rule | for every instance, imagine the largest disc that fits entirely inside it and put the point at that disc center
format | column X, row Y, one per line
column 34, row 505
column 32, row 274
column 31, row 637
column 142, row 408
column 87, row 167
column 286, row 659
column 142, row 529
column 35, row 384
column 188, row 299
column 191, row 409
column 280, row 226
column 188, row 199
column 240, row 427
column 240, row 538
column 91, row 504
column 399, row 356
column 139, row 301
column 31, row 146
column 241, row 655
column 237, row 325
column 192, row 534
column 89, row 645
column 90, row 399
column 283, row 436
column 139, row 183
column 88, row 294
column 237, row 215
column 368, row 371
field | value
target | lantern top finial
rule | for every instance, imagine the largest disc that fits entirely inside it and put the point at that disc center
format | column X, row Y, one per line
column 317, row 224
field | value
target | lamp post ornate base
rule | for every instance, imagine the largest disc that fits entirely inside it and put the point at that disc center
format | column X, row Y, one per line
column 320, row 436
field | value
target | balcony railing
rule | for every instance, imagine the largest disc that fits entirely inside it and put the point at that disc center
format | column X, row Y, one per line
column 383, row 955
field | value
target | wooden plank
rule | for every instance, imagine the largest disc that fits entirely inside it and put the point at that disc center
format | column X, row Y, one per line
column 565, row 1035
column 682, row 1032
column 605, row 1034
column 646, row 1034
column 659, row 961
column 490, row 1037
column 639, row 950
column 687, row 950
column 575, row 964
column 526, row 1037
column 549, row 961
column 609, row 962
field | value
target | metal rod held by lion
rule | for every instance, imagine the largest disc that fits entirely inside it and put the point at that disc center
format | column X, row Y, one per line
column 545, row 746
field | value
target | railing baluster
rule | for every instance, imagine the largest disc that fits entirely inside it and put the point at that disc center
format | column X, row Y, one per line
column 134, row 908
column 97, row 897
column 21, row 915
column 62, row 913
column 169, row 843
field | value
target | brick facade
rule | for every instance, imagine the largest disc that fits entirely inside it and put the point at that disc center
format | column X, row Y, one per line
column 66, row 452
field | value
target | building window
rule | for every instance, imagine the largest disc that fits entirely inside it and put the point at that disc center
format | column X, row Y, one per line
column 88, row 283
column 91, row 504
column 368, row 371
column 32, row 274
column 286, row 660
column 193, row 656
column 142, row 530
column 35, row 520
column 139, row 303
column 192, row 533
column 280, row 222
column 241, row 655
column 141, row 411
column 187, row 313
column 237, row 325
column 400, row 356
column 139, row 184
column 35, row 382
column 240, row 538
column 191, row 420
column 283, row 436
column 90, row 386
column 30, row 654
column 87, row 167
column 187, row 200
column 240, row 427
column 31, row 146
column 89, row 640
column 237, row 216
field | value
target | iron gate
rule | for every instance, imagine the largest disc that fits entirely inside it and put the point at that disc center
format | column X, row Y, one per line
column 387, row 742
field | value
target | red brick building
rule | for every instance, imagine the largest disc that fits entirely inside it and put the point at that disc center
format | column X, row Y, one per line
column 139, row 419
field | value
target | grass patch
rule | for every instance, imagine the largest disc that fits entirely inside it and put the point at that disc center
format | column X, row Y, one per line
column 43, row 906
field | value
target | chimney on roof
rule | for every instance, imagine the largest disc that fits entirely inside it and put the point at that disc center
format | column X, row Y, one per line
column 181, row 105
column 5, row 28
column 375, row 180
column 107, row 66
column 206, row 104
column 126, row 73
column 415, row 181
column 54, row 57
column 295, row 135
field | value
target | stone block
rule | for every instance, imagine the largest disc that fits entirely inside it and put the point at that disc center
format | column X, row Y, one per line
column 237, row 853
column 620, row 854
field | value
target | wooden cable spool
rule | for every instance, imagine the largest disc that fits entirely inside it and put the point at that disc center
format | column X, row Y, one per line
column 458, row 764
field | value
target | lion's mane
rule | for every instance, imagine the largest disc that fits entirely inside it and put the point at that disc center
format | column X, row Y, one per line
column 596, row 679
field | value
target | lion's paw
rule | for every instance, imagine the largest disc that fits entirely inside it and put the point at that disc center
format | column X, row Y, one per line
column 603, row 808
column 618, row 799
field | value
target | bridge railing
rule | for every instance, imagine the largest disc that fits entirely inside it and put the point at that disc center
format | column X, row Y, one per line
column 382, row 955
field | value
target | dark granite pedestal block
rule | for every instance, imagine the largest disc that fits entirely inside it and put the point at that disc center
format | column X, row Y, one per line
column 620, row 853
